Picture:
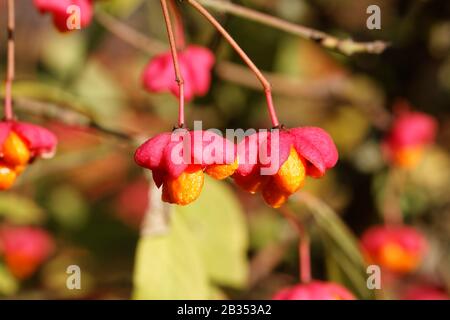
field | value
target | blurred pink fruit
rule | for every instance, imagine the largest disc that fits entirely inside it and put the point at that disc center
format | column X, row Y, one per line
column 410, row 133
column 399, row 249
column 425, row 292
column 315, row 290
column 195, row 64
column 25, row 249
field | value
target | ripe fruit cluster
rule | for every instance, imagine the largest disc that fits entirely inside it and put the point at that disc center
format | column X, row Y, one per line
column 315, row 290
column 411, row 132
column 398, row 249
column 291, row 155
column 20, row 144
column 24, row 249
column 158, row 74
column 178, row 162
column 275, row 163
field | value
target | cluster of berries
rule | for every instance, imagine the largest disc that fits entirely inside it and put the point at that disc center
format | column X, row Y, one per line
column 24, row 249
column 178, row 162
column 297, row 153
column 411, row 132
column 398, row 249
column 20, row 144
column 274, row 163
column 315, row 290
column 401, row 249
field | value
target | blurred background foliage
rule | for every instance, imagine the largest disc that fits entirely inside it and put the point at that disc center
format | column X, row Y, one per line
column 85, row 86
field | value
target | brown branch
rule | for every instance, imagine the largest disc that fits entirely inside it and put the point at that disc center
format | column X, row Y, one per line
column 345, row 46
column 129, row 35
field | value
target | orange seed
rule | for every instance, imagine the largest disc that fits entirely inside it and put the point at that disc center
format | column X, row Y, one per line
column 291, row 175
column 184, row 189
column 408, row 157
column 222, row 171
column 21, row 266
column 252, row 183
column 274, row 196
column 7, row 177
column 15, row 151
column 395, row 258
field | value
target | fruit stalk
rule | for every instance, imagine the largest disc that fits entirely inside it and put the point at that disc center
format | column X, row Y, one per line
column 303, row 245
column 265, row 83
column 178, row 75
column 10, row 61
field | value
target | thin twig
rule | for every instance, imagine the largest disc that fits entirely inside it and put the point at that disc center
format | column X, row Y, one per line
column 178, row 74
column 265, row 83
column 284, row 85
column 129, row 35
column 10, row 63
column 345, row 46
column 304, row 255
column 70, row 117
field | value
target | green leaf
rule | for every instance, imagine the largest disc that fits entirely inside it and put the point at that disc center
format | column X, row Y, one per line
column 341, row 269
column 68, row 207
column 49, row 92
column 64, row 54
column 169, row 266
column 19, row 210
column 8, row 284
column 266, row 228
column 97, row 89
column 120, row 8
column 217, row 223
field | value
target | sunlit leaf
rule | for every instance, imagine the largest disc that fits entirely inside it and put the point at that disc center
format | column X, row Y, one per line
column 217, row 223
column 266, row 228
column 17, row 209
column 337, row 126
column 8, row 284
column 49, row 92
column 63, row 54
column 68, row 207
column 97, row 89
column 120, row 8
column 169, row 266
